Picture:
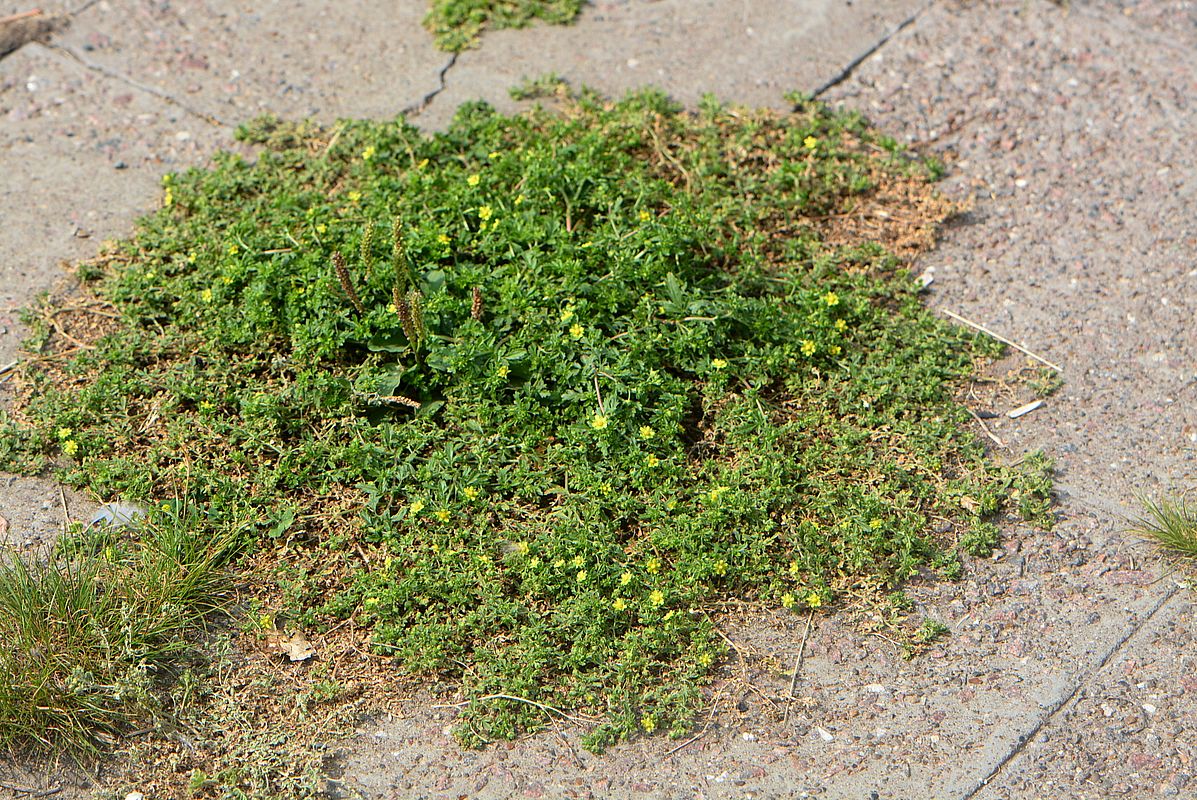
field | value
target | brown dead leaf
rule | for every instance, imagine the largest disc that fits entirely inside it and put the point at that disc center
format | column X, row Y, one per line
column 295, row 646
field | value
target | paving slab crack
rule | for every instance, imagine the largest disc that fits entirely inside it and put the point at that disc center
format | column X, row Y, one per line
column 100, row 69
column 1077, row 691
column 847, row 71
column 416, row 108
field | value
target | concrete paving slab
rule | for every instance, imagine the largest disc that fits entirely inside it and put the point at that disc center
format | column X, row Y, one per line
column 234, row 61
column 750, row 52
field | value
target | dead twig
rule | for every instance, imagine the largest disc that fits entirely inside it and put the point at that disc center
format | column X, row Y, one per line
column 15, row 789
column 798, row 664
column 1002, row 339
column 985, row 427
column 546, row 708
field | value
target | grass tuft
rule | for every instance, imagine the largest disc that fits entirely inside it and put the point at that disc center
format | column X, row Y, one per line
column 456, row 24
column 1171, row 524
column 92, row 632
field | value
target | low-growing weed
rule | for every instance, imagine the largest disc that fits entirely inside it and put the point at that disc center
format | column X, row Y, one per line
column 456, row 24
column 524, row 399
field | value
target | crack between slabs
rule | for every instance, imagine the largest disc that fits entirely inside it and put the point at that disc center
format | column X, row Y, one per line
column 847, row 71
column 125, row 79
column 1067, row 701
column 415, row 109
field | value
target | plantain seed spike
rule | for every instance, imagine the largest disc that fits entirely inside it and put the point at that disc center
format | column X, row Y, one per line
column 367, row 250
column 476, row 308
column 415, row 302
column 346, row 284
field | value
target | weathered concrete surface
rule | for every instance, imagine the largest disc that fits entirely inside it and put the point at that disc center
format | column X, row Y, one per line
column 1069, row 672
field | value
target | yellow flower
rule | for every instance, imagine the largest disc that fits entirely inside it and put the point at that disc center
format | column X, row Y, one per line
column 519, row 198
column 705, row 660
column 64, row 433
column 645, row 216
column 206, row 295
column 653, row 565
column 795, row 568
column 567, row 314
column 581, row 576
column 619, row 604
column 368, row 153
column 485, row 213
column 416, row 507
column 559, row 563
column 493, row 154
column 442, row 515
column 578, row 561
column 649, row 723
column 392, row 309
column 788, row 600
column 717, row 492
column 599, row 422
column 719, row 363
column 206, row 405
column 191, row 257
column 831, row 299
column 657, row 598
column 841, row 325
column 808, row 347
column 876, row 524
column 721, row 567
column 233, row 248
column 810, row 142
column 814, row 600
column 503, row 370
column 354, row 196
column 646, row 432
column 443, row 238
column 227, row 281
column 473, row 180
column 522, row 548
column 576, row 331
column 321, row 228
column 535, row 562
column 625, row 578
column 370, row 602
column 835, row 349
column 470, row 492
column 168, row 198
column 422, row 164
column 70, row 447
column 651, row 461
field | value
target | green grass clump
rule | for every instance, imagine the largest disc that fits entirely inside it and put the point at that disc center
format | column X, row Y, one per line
column 534, row 395
column 91, row 634
column 456, row 24
column 1171, row 524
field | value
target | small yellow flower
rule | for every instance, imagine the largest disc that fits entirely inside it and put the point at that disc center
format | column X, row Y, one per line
column 485, row 213
column 370, row 602
column 719, row 363
column 392, row 309
column 810, row 143
column 522, row 548
column 64, row 433
column 581, row 576
column 808, row 347
column 503, row 371
column 599, row 422
column 717, row 492
column 619, row 604
column 835, row 350
column 206, row 295
column 206, row 405
column 443, row 515
column 473, row 180
column 422, row 164
column 646, row 432
column 368, row 153
column 831, row 299
column 705, row 660
column 720, row 567
column 788, row 600
column 354, row 196
column 651, row 461
column 191, row 257
column 470, row 492
column 227, row 281
column 494, row 224
column 519, row 199
column 653, row 565
column 576, row 331
column 577, row 561
column 625, row 578
column 649, row 723
column 814, row 600
column 416, row 507
column 321, row 228
column 70, row 447
column 443, row 238
column 795, row 568
column 605, row 487
column 535, row 562
column 876, row 524
column 234, row 249
column 567, row 314
column 841, row 325
column 559, row 563
column 645, row 216
column 657, row 598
